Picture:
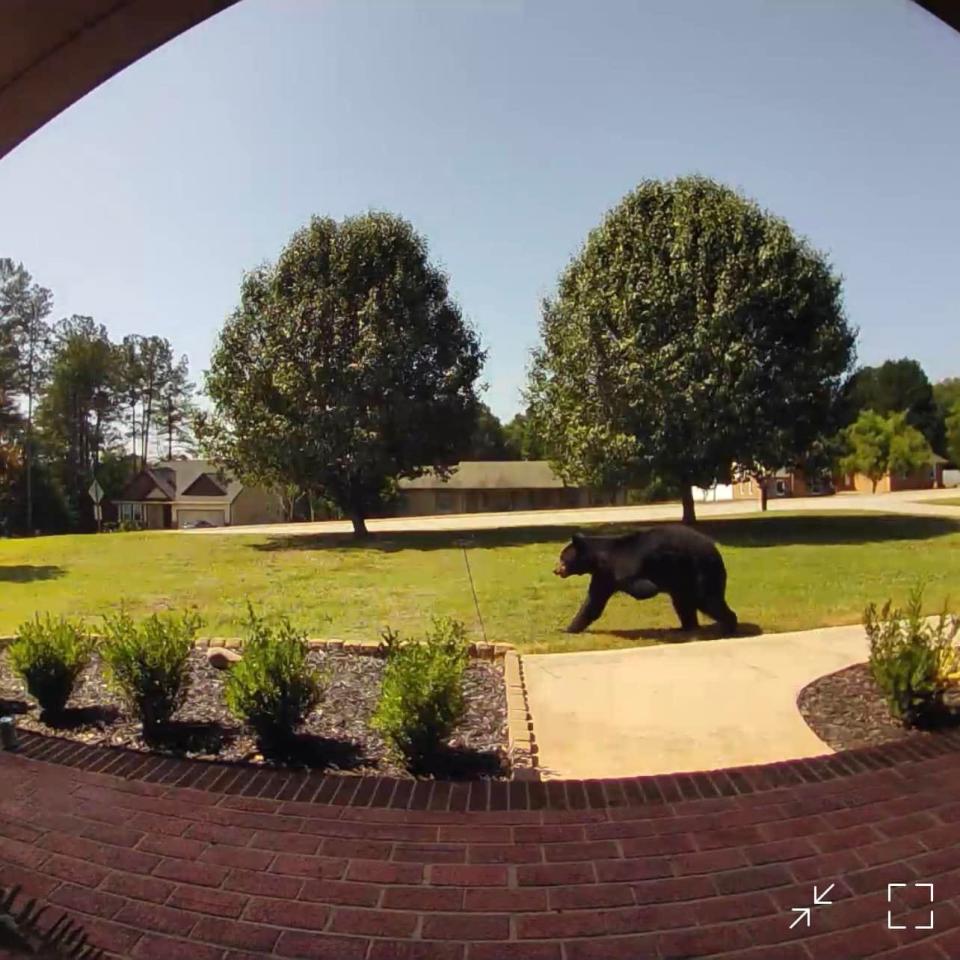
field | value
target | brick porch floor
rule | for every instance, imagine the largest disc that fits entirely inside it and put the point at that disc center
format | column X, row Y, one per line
column 172, row 859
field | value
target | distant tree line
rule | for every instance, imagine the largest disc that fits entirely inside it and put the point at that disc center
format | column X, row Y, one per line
column 896, row 420
column 75, row 406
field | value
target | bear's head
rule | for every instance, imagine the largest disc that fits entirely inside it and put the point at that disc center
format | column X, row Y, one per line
column 574, row 559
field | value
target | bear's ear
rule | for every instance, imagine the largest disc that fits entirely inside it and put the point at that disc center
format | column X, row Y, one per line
column 578, row 540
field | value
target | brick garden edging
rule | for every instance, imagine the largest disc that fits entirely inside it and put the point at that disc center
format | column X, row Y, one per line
column 479, row 795
column 521, row 742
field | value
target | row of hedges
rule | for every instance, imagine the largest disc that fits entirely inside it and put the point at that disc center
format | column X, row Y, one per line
column 271, row 689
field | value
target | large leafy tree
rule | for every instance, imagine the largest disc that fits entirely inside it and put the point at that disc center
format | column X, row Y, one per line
column 524, row 441
column 78, row 410
column 489, row 438
column 346, row 365
column 952, row 430
column 24, row 354
column 946, row 395
column 156, row 392
column 895, row 386
column 176, row 411
column 694, row 331
column 878, row 445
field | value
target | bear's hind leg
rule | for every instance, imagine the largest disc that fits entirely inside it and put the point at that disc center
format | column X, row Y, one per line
column 686, row 609
column 717, row 609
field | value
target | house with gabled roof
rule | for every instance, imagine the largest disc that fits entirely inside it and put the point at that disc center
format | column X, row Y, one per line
column 190, row 493
column 497, row 486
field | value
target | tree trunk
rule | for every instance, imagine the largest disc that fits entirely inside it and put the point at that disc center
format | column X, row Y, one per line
column 689, row 511
column 762, row 485
column 359, row 522
column 29, row 446
column 133, row 437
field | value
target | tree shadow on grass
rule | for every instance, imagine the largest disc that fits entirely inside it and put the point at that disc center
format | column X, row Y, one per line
column 760, row 530
column 27, row 573
column 667, row 635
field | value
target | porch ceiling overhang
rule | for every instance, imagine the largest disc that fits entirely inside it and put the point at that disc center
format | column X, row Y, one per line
column 53, row 52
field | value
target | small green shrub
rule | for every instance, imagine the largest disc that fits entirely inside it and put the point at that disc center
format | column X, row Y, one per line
column 421, row 696
column 912, row 661
column 148, row 663
column 273, row 687
column 49, row 655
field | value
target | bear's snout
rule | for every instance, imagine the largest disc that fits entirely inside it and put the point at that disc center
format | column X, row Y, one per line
column 561, row 570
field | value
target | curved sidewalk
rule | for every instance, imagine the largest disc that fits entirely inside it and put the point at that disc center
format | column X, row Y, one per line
column 172, row 859
column 681, row 706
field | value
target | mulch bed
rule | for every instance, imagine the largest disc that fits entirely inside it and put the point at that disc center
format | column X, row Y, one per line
column 847, row 710
column 335, row 737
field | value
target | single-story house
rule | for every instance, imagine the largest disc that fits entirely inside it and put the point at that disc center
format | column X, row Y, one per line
column 497, row 486
column 785, row 482
column 184, row 493
column 927, row 477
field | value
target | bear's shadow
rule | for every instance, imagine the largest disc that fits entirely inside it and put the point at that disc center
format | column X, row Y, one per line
column 676, row 635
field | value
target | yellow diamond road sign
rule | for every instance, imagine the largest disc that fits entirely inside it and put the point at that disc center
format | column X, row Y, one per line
column 96, row 492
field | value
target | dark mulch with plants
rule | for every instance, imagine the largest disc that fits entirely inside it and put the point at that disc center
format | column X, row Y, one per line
column 335, row 737
column 846, row 710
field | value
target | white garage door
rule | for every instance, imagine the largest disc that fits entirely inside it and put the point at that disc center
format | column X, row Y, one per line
column 187, row 518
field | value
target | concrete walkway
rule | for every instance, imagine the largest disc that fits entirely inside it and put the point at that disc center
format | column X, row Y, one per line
column 913, row 502
column 691, row 706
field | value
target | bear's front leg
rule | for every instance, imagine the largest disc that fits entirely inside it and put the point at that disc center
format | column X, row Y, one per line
column 598, row 594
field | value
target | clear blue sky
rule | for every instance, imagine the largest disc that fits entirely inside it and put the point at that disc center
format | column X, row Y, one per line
column 503, row 131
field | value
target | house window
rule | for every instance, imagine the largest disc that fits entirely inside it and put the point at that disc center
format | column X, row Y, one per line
column 444, row 501
column 132, row 511
column 781, row 488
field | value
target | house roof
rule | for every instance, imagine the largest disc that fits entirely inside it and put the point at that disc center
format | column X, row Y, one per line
column 206, row 485
column 490, row 475
column 179, row 479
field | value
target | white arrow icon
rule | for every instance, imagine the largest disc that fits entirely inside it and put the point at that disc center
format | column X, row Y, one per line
column 818, row 901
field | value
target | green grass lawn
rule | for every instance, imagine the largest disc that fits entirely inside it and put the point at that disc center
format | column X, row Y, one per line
column 786, row 572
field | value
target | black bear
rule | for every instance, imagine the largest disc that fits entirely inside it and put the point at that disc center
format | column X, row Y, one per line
column 670, row 559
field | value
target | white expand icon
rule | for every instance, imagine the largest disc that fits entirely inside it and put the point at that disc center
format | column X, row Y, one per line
column 894, row 926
